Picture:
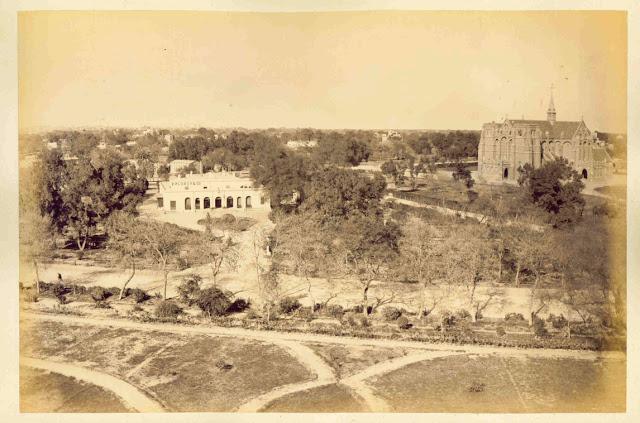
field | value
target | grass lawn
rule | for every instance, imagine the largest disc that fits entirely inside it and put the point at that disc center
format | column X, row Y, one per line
column 325, row 399
column 179, row 369
column 347, row 361
column 510, row 385
column 44, row 392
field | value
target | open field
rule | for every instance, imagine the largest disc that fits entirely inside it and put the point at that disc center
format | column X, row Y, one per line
column 508, row 385
column 42, row 392
column 200, row 371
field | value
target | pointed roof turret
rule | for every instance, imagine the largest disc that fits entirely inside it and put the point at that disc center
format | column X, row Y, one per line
column 551, row 111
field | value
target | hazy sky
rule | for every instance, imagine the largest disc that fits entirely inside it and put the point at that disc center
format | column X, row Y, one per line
column 326, row 70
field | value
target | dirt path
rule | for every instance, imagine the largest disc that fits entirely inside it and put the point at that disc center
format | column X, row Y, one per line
column 357, row 381
column 274, row 337
column 129, row 394
column 452, row 212
column 308, row 358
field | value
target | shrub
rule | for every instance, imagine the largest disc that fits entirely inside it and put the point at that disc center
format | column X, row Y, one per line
column 239, row 305
column 168, row 309
column 500, row 331
column 113, row 291
column 189, row 289
column 213, row 302
column 356, row 320
column 137, row 308
column 403, row 322
column 463, row 314
column 227, row 219
column 305, row 313
column 391, row 314
column 539, row 328
column 335, row 311
column 558, row 322
column 252, row 314
column 98, row 293
column 514, row 318
column 288, row 305
column 139, row 295
column 447, row 319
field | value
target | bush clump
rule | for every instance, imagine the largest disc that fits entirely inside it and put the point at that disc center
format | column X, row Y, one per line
column 98, row 293
column 539, row 328
column 391, row 314
column 403, row 322
column 514, row 318
column 189, row 289
column 500, row 331
column 335, row 310
column 239, row 305
column 558, row 322
column 356, row 320
column 463, row 314
column 138, row 294
column 114, row 291
column 168, row 310
column 213, row 302
column 288, row 305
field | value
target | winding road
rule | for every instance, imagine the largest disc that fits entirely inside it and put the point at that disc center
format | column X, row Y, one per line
column 293, row 344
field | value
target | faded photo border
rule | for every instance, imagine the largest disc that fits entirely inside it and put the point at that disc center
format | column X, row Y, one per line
column 9, row 400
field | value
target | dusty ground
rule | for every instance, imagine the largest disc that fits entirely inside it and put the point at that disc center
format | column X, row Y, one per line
column 42, row 392
column 180, row 367
column 510, row 385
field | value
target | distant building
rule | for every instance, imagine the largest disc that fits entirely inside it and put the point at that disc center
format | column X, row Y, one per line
column 52, row 145
column 102, row 145
column 389, row 136
column 504, row 147
column 168, row 138
column 131, row 143
column 177, row 166
column 298, row 144
column 223, row 190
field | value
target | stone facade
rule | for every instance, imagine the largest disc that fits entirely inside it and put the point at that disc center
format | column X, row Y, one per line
column 214, row 190
column 506, row 146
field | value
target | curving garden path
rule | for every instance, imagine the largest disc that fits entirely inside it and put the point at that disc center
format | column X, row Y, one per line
column 131, row 396
column 291, row 342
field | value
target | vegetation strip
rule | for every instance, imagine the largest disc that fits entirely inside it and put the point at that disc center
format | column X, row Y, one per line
column 128, row 393
column 309, row 337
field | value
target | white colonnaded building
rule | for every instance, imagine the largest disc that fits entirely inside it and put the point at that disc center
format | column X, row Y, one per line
column 213, row 190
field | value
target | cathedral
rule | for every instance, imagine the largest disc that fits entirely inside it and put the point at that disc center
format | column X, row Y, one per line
column 504, row 147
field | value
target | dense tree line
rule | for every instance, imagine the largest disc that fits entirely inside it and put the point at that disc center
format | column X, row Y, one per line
column 78, row 195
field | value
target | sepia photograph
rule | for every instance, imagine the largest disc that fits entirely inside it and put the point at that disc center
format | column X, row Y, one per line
column 356, row 211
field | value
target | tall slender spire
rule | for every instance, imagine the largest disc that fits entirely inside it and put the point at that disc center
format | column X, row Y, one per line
column 551, row 111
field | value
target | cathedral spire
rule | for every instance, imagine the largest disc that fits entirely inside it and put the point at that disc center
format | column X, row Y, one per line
column 551, row 111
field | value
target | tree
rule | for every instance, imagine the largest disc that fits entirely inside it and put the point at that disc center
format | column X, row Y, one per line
column 462, row 174
column 301, row 246
column 531, row 252
column 335, row 194
column 125, row 239
column 554, row 187
column 467, row 262
column 36, row 239
column 368, row 247
column 218, row 252
column 421, row 252
column 162, row 243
